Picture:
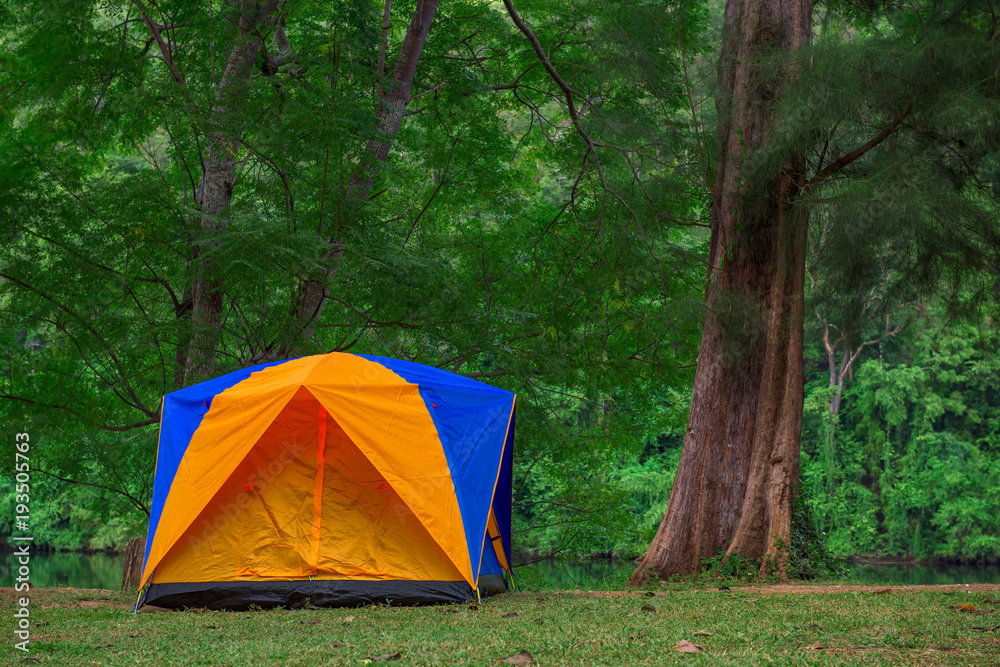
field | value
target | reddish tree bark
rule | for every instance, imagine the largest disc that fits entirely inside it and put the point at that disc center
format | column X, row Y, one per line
column 135, row 552
column 739, row 463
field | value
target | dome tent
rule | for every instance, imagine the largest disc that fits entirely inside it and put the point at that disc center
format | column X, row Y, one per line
column 330, row 480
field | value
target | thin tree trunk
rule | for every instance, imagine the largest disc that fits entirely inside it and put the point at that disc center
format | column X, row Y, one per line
column 215, row 192
column 394, row 97
column 182, row 314
column 135, row 552
column 838, row 381
column 739, row 463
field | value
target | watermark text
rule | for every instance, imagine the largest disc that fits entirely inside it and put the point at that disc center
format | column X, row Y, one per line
column 22, row 541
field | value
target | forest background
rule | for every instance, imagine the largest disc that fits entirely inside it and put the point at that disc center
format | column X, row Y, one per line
column 533, row 214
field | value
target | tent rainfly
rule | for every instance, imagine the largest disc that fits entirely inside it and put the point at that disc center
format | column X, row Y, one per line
column 330, row 480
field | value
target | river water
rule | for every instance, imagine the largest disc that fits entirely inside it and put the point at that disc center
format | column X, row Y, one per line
column 78, row 570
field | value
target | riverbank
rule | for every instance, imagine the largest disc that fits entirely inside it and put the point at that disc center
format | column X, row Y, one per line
column 611, row 574
column 753, row 625
column 870, row 559
column 100, row 570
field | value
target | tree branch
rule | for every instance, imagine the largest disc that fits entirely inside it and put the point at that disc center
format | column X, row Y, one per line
column 541, row 558
column 165, row 51
column 135, row 501
column 848, row 158
column 119, row 367
column 383, row 47
column 106, row 427
column 547, row 64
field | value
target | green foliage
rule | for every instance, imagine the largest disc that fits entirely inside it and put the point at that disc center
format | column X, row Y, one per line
column 809, row 555
column 72, row 517
column 563, row 261
column 903, row 268
column 647, row 488
column 495, row 243
column 916, row 453
column 736, row 568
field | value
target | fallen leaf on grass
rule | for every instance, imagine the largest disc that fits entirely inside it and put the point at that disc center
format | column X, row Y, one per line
column 309, row 621
column 335, row 645
column 815, row 646
column 38, row 625
column 991, row 601
column 882, row 591
column 971, row 609
column 104, row 646
column 638, row 635
column 522, row 658
column 983, row 628
column 702, row 633
column 349, row 619
column 510, row 614
column 32, row 660
column 684, row 646
column 648, row 607
column 135, row 634
column 211, row 627
column 384, row 656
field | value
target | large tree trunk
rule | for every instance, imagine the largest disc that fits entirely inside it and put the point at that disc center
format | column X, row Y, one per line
column 739, row 463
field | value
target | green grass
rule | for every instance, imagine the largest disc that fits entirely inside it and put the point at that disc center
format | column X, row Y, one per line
column 87, row 627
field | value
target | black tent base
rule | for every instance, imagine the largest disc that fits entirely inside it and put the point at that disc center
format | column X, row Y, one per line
column 242, row 595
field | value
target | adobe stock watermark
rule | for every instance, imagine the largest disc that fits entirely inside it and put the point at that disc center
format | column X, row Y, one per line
column 22, row 542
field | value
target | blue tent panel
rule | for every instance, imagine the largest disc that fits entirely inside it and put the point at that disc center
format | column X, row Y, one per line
column 471, row 419
column 502, row 498
column 182, row 412
column 490, row 564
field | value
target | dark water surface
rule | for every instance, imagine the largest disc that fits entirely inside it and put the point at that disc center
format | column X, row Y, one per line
column 905, row 573
column 66, row 569
column 77, row 570
column 612, row 574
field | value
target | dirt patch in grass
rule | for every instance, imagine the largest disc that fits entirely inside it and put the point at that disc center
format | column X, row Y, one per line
column 817, row 589
column 61, row 598
column 804, row 589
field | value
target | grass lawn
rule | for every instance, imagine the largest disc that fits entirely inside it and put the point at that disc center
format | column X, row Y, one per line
column 748, row 626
